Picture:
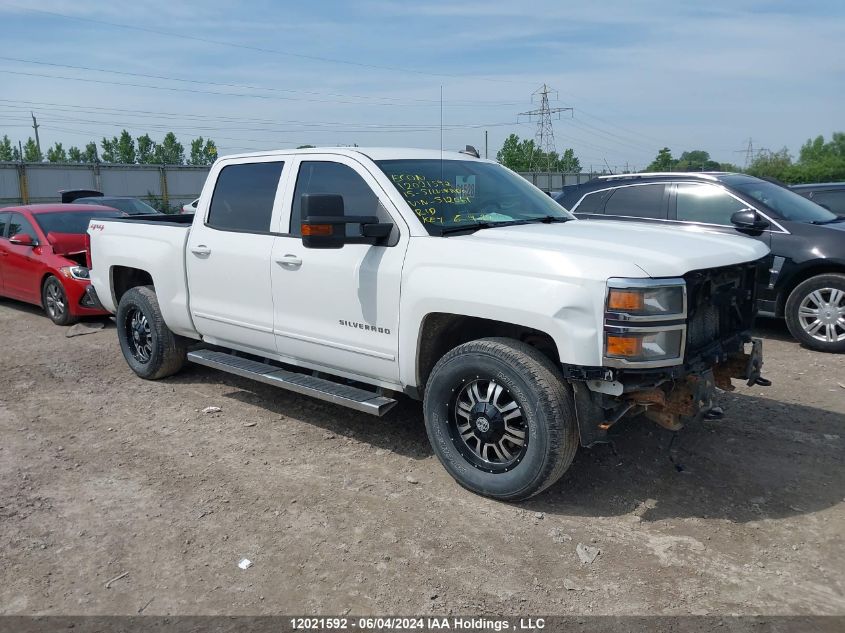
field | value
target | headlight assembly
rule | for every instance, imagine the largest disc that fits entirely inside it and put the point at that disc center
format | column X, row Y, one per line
column 75, row 272
column 646, row 299
column 645, row 322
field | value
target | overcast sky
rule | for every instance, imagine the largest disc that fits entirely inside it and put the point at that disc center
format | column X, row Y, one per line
column 272, row 74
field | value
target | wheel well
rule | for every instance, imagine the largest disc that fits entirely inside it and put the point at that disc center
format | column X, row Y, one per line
column 44, row 279
column 441, row 332
column 804, row 275
column 124, row 278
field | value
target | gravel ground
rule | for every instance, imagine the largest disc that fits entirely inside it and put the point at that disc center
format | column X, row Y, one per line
column 120, row 496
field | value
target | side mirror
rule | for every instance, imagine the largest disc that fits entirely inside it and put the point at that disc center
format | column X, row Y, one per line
column 324, row 223
column 23, row 239
column 749, row 220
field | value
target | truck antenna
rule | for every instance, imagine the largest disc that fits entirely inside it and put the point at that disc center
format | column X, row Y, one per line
column 441, row 131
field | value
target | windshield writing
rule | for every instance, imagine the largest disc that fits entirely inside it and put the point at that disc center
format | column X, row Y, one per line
column 450, row 194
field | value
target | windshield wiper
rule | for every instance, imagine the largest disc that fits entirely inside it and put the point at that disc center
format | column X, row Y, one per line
column 549, row 219
column 472, row 228
column 823, row 222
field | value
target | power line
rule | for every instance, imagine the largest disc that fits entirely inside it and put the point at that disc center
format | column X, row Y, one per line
column 259, row 49
column 396, row 100
column 67, row 107
column 206, row 92
column 303, row 126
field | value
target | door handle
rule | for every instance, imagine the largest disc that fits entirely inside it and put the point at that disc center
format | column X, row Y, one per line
column 289, row 261
column 201, row 249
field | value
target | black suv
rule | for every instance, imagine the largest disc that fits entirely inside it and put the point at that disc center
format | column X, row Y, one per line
column 830, row 195
column 806, row 281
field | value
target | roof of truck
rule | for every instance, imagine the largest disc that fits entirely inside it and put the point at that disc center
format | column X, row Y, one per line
column 375, row 153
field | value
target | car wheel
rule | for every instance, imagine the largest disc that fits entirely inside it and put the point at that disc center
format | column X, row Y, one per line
column 501, row 419
column 148, row 345
column 815, row 312
column 54, row 301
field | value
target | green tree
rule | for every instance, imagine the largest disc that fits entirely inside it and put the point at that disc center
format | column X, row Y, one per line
column 209, row 151
column 170, row 151
column 203, row 152
column 57, row 154
column 109, row 149
column 569, row 162
column 696, row 160
column 90, row 153
column 305, row 146
column 31, row 153
column 146, row 150
column 522, row 155
column 512, row 154
column 663, row 162
column 125, row 149
column 6, row 149
column 74, row 154
column 776, row 165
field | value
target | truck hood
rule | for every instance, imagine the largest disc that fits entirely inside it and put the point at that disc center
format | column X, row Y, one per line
column 660, row 251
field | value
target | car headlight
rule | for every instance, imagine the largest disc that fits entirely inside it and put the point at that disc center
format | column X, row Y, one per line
column 75, row 272
column 646, row 299
column 644, row 322
column 636, row 345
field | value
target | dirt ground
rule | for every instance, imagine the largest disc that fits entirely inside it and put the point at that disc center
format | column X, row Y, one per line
column 105, row 476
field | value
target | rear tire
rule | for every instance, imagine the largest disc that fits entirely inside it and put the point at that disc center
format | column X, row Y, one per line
column 54, row 301
column 815, row 312
column 501, row 418
column 148, row 345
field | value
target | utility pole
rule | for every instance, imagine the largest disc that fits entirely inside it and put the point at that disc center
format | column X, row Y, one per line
column 544, row 137
column 35, row 127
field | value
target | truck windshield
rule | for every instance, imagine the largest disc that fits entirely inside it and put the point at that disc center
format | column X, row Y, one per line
column 449, row 195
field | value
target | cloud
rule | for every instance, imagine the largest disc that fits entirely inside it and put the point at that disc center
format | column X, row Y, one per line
column 653, row 72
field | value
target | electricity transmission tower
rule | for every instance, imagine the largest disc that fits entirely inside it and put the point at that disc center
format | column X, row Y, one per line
column 748, row 151
column 544, row 137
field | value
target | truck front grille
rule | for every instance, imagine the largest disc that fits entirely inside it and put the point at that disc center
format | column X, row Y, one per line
column 721, row 307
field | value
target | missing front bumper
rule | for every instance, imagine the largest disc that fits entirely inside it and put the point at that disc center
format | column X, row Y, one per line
column 671, row 403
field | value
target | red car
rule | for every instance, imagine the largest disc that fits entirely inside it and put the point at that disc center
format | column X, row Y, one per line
column 43, row 257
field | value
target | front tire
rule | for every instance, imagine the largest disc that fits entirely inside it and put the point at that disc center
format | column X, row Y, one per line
column 815, row 312
column 55, row 303
column 501, row 419
column 148, row 345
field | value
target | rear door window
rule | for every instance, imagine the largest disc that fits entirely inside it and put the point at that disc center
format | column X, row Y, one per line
column 4, row 222
column 243, row 197
column 593, row 202
column 638, row 201
column 707, row 204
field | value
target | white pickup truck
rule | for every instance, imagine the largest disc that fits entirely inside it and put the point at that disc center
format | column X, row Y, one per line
column 357, row 275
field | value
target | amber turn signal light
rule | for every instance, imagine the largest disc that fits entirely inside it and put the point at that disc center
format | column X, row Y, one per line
column 624, row 346
column 318, row 230
column 629, row 300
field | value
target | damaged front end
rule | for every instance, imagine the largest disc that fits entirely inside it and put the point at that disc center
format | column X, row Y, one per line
column 702, row 322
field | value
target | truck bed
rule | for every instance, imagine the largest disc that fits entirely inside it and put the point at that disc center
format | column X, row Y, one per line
column 154, row 244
